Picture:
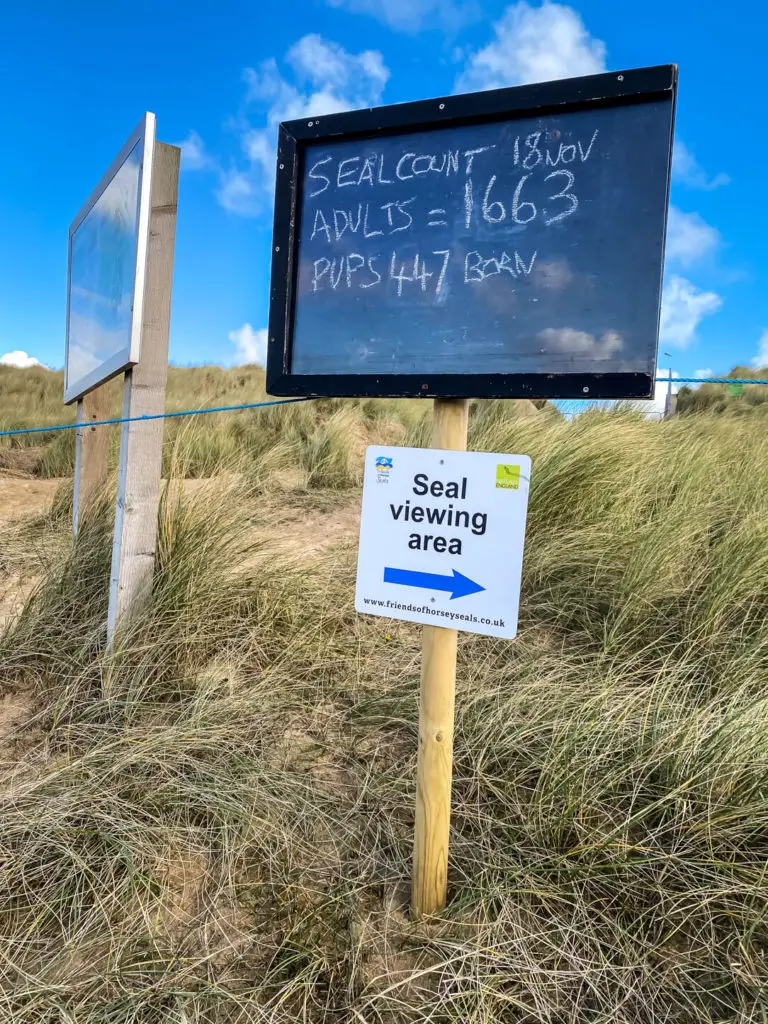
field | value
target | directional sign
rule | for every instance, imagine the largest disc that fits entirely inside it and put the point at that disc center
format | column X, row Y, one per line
column 441, row 538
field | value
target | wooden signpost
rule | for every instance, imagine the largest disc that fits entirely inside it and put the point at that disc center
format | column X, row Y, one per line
column 506, row 244
column 91, row 451
column 121, row 247
column 141, row 443
column 434, row 774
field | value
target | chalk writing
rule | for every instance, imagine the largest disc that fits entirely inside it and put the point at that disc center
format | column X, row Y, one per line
column 478, row 267
column 542, row 189
column 328, row 273
column 485, row 232
column 563, row 194
column 446, row 254
column 354, row 270
column 379, row 169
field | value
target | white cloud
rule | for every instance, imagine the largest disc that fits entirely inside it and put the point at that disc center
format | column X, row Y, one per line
column 581, row 343
column 533, row 44
column 120, row 199
column 553, row 274
column 19, row 359
column 689, row 237
column 258, row 147
column 328, row 66
column 701, row 375
column 238, row 193
column 683, row 307
column 761, row 359
column 250, row 345
column 194, row 156
column 688, row 171
column 414, row 15
column 92, row 343
column 320, row 77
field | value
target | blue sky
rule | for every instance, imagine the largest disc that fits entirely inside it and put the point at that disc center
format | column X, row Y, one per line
column 219, row 77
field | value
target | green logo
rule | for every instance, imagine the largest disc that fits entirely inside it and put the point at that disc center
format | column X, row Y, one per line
column 508, row 477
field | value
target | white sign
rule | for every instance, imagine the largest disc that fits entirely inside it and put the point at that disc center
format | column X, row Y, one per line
column 441, row 538
column 107, row 256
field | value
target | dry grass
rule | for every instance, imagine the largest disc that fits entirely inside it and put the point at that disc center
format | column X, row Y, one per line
column 716, row 399
column 215, row 824
column 322, row 440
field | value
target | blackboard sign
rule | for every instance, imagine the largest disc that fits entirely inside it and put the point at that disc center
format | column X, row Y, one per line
column 504, row 244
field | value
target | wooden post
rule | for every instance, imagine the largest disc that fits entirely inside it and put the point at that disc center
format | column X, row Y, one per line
column 91, row 452
column 141, row 444
column 438, row 687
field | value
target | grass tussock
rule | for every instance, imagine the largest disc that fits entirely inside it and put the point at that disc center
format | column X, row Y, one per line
column 721, row 400
column 214, row 823
column 321, row 441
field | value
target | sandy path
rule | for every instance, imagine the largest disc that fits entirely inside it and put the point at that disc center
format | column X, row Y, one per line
column 20, row 496
column 291, row 523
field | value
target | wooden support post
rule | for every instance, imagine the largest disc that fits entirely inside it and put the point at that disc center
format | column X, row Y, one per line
column 91, row 452
column 141, row 444
column 438, row 687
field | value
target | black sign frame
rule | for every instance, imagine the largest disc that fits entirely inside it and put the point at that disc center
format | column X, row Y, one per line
column 620, row 88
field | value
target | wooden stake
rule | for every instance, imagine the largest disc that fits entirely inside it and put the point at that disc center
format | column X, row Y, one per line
column 438, row 688
column 91, row 451
column 141, row 444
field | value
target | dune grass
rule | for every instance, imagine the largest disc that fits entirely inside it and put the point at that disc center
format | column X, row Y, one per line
column 33, row 397
column 318, row 438
column 214, row 823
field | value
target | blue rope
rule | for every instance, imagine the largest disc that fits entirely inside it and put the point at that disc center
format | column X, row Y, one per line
column 710, row 380
column 155, row 416
column 310, row 398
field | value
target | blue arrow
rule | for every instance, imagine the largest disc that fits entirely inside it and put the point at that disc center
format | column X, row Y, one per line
column 457, row 585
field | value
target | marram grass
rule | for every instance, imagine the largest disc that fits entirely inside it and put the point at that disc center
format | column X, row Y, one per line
column 214, row 823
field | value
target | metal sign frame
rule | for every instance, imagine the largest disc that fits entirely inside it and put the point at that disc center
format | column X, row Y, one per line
column 144, row 135
column 568, row 95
